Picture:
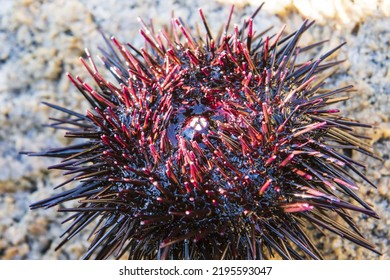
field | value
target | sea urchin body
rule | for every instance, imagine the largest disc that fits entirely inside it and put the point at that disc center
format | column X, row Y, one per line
column 210, row 148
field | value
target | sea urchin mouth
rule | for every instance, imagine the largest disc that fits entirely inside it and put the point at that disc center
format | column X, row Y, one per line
column 210, row 148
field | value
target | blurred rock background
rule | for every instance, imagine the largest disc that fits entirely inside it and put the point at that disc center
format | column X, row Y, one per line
column 41, row 40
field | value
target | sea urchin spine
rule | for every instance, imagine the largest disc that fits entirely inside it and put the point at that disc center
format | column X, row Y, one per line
column 210, row 148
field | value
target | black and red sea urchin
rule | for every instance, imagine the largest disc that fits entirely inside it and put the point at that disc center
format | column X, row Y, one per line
column 210, row 147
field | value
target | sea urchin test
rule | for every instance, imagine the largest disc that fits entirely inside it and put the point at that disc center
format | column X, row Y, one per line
column 210, row 147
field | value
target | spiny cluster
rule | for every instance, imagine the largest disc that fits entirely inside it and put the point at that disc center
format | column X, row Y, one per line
column 210, row 148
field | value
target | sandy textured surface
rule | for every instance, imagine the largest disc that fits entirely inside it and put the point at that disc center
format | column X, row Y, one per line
column 42, row 40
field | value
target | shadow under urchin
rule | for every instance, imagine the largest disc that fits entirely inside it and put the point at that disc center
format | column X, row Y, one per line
column 210, row 147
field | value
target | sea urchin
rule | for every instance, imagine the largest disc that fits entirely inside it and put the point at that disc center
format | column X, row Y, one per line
column 222, row 147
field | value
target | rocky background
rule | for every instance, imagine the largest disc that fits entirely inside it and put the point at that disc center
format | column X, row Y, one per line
column 41, row 40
